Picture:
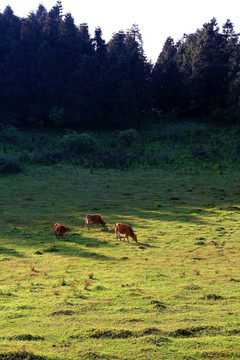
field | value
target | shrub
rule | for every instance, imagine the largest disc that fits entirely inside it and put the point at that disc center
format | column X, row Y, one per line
column 10, row 134
column 9, row 165
column 57, row 115
column 76, row 144
column 119, row 159
column 157, row 157
column 129, row 137
column 180, row 130
column 199, row 153
column 49, row 157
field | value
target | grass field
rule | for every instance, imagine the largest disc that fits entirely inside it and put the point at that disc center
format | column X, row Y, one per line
column 174, row 295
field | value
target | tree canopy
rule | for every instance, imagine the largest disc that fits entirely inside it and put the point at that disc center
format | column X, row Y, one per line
column 55, row 73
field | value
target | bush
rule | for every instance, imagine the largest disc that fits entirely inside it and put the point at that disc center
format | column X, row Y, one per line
column 129, row 137
column 199, row 153
column 10, row 134
column 181, row 130
column 9, row 165
column 49, row 157
column 119, row 159
column 57, row 116
column 77, row 144
column 157, row 157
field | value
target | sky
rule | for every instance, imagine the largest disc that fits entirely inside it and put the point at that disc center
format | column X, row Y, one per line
column 157, row 19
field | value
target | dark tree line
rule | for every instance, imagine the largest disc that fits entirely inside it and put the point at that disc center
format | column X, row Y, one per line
column 200, row 74
column 53, row 73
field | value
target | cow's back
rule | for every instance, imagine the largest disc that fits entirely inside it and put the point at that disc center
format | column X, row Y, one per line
column 94, row 219
column 60, row 229
column 126, row 230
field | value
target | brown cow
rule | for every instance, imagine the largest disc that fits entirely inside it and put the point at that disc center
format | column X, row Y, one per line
column 60, row 229
column 123, row 229
column 94, row 219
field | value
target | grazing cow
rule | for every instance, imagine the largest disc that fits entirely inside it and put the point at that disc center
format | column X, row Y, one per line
column 94, row 219
column 60, row 229
column 123, row 229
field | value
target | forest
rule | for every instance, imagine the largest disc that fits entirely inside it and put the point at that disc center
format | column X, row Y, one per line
column 55, row 74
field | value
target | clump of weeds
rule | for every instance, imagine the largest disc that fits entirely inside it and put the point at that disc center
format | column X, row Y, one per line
column 63, row 281
column 86, row 284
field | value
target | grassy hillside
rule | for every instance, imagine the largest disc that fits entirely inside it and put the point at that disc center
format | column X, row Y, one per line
column 174, row 295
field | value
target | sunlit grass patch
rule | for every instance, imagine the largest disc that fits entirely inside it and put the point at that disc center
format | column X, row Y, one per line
column 173, row 295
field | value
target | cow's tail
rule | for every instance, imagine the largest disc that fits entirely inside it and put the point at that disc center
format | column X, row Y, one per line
column 111, row 228
column 86, row 221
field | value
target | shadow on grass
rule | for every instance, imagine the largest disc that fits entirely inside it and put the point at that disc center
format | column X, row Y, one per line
column 39, row 238
column 21, row 355
column 10, row 252
column 67, row 250
column 69, row 245
column 179, row 215
column 79, row 239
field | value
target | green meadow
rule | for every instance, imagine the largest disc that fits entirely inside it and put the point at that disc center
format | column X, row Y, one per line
column 173, row 295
